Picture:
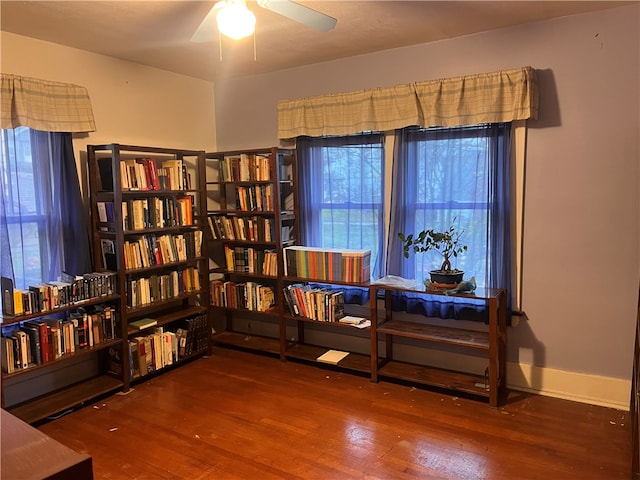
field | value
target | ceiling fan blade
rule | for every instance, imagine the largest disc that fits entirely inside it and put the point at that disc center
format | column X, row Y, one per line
column 207, row 31
column 299, row 13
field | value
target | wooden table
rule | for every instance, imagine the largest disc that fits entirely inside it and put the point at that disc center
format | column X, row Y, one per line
column 29, row 454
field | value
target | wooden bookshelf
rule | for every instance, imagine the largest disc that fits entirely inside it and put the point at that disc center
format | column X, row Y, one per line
column 252, row 215
column 491, row 342
column 78, row 330
column 149, row 204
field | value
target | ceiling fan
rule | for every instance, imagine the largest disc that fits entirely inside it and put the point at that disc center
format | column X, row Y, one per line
column 235, row 20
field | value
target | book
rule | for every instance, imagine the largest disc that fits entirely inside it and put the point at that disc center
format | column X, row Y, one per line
column 33, row 334
column 145, row 356
column 22, row 351
column 332, row 356
column 105, row 167
column 143, row 323
column 115, row 361
column 8, row 355
column 134, row 359
column 357, row 322
column 109, row 259
column 6, row 285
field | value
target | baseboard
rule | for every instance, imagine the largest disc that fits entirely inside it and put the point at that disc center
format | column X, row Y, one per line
column 578, row 387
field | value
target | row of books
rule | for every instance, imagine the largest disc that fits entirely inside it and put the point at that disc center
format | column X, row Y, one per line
column 148, row 174
column 49, row 296
column 151, row 250
column 155, row 288
column 161, row 348
column 245, row 168
column 246, row 295
column 155, row 212
column 255, row 229
column 352, row 266
column 44, row 340
column 256, row 198
column 316, row 303
column 251, row 260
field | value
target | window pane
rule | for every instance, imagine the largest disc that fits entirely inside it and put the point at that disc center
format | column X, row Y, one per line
column 25, row 168
column 29, row 257
column 352, row 197
column 452, row 189
column 343, row 204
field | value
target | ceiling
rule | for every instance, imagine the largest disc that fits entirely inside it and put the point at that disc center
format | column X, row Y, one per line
column 157, row 33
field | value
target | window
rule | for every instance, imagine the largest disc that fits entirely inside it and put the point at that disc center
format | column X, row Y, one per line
column 342, row 193
column 43, row 229
column 441, row 177
column 447, row 177
column 453, row 176
column 27, row 214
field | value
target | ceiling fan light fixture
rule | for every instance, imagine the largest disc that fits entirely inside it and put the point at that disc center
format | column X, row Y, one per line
column 235, row 20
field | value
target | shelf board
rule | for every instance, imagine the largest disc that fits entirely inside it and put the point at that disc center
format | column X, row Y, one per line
column 434, row 333
column 336, row 324
column 435, row 377
column 339, row 283
column 272, row 312
column 148, row 308
column 170, row 316
column 248, row 342
column 9, row 319
column 176, row 364
column 65, row 358
column 69, row 397
column 160, row 266
column 354, row 361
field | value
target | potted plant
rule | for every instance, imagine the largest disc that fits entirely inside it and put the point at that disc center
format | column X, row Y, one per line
column 446, row 243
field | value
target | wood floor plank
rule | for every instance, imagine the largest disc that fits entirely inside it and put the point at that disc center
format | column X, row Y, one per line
column 237, row 415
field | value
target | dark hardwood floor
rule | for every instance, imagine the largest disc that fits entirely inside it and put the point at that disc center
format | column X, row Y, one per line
column 238, row 415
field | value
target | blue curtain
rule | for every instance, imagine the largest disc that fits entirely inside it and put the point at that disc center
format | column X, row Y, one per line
column 453, row 176
column 43, row 224
column 75, row 233
column 341, row 196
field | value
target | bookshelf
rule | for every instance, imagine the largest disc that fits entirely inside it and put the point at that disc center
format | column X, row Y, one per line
column 56, row 326
column 147, row 207
column 314, row 286
column 252, row 216
column 253, row 223
column 299, row 346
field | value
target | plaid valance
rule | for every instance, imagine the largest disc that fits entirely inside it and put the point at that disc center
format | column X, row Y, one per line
column 44, row 105
column 495, row 97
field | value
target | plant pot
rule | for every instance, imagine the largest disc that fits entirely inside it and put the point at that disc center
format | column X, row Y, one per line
column 447, row 277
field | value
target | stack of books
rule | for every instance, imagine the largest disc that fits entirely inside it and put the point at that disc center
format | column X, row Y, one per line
column 351, row 266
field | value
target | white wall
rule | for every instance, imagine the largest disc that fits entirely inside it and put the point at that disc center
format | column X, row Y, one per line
column 132, row 104
column 582, row 206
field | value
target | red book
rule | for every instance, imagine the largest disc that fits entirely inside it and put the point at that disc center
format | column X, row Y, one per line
column 300, row 300
column 155, row 180
column 45, row 339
